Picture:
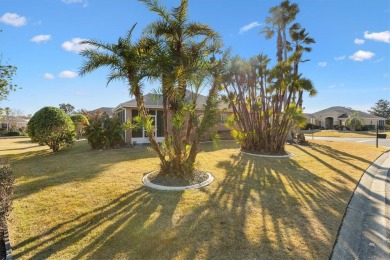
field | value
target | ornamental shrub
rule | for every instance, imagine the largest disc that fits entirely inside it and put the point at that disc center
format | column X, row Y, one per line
column 7, row 179
column 104, row 132
column 80, row 122
column 12, row 133
column 53, row 127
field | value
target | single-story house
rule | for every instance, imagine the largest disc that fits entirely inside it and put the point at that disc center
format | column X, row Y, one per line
column 9, row 123
column 153, row 103
column 336, row 116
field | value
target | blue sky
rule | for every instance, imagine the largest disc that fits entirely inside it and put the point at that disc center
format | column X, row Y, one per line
column 349, row 64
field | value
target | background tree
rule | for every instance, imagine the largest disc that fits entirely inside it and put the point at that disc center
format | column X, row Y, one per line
column 382, row 109
column 354, row 122
column 80, row 122
column 53, row 127
column 67, row 108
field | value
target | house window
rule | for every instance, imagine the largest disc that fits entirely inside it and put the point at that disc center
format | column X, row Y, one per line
column 121, row 116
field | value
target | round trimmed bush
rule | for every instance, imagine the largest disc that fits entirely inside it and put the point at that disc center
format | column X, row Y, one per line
column 53, row 127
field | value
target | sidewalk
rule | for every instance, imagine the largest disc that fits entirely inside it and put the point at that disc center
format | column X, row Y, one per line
column 365, row 230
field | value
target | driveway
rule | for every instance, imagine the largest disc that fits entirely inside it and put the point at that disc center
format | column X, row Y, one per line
column 372, row 141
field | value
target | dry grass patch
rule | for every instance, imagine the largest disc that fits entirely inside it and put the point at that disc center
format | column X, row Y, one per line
column 334, row 133
column 83, row 204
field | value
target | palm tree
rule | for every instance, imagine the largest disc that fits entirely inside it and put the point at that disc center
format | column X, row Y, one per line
column 182, row 48
column 126, row 61
column 355, row 122
column 281, row 16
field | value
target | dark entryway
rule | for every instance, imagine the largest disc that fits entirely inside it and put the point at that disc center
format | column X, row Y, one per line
column 329, row 123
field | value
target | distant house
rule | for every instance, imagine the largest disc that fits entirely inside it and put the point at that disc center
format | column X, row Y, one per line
column 336, row 116
column 9, row 123
column 108, row 110
column 153, row 103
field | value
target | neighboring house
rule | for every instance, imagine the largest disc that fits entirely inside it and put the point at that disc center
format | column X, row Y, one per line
column 153, row 103
column 336, row 116
column 108, row 110
column 9, row 123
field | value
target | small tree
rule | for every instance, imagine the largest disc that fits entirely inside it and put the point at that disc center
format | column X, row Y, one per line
column 80, row 122
column 51, row 126
column 354, row 122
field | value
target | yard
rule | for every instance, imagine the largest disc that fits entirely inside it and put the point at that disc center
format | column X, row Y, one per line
column 80, row 203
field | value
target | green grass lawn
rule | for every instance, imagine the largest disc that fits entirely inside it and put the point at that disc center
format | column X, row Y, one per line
column 79, row 203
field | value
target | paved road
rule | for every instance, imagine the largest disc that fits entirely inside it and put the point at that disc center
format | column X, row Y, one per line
column 372, row 141
column 365, row 231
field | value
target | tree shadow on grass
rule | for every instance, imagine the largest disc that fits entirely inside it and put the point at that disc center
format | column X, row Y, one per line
column 257, row 208
column 132, row 209
column 44, row 169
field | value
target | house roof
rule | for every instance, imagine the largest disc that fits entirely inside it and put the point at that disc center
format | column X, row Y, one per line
column 152, row 100
column 19, row 119
column 345, row 111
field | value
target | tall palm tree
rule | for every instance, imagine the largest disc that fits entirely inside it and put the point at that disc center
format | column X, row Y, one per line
column 126, row 61
column 281, row 16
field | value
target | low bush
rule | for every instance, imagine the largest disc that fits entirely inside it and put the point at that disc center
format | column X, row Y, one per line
column 104, row 132
column 310, row 126
column 53, row 127
column 12, row 133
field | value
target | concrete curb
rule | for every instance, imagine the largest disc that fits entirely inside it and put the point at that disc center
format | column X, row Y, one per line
column 364, row 232
column 147, row 183
column 269, row 156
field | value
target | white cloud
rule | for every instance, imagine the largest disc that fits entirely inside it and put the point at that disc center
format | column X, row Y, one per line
column 83, row 2
column 13, row 19
column 379, row 60
column 41, row 38
column 340, row 57
column 379, row 36
column 75, row 46
column 249, row 26
column 359, row 41
column 67, row 74
column 48, row 76
column 386, row 75
column 362, row 55
column 322, row 64
column 332, row 86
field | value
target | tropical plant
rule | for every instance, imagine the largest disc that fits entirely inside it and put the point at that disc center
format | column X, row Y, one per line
column 175, row 51
column 80, row 122
column 104, row 132
column 53, row 127
column 267, row 102
column 354, row 122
